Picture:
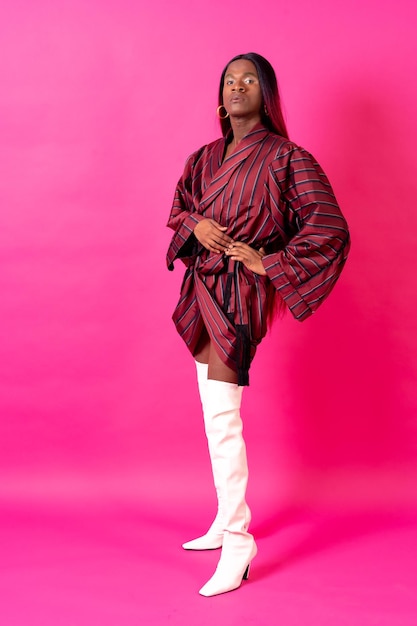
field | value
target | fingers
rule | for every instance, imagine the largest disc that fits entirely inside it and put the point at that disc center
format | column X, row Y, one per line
column 212, row 236
column 251, row 258
column 218, row 243
column 220, row 237
column 239, row 247
column 215, row 247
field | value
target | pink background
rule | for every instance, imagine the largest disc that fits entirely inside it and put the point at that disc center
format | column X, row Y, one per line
column 100, row 104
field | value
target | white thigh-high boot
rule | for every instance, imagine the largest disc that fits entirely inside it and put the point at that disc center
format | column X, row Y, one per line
column 214, row 536
column 228, row 454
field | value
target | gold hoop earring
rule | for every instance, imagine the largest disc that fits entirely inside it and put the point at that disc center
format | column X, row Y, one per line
column 222, row 117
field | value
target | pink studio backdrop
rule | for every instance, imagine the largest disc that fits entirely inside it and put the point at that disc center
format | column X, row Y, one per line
column 100, row 104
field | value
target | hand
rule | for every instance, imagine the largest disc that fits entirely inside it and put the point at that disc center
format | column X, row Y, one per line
column 212, row 236
column 251, row 258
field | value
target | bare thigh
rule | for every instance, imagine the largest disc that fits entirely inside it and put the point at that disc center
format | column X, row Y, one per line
column 206, row 353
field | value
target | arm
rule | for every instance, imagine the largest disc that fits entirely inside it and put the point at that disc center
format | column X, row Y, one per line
column 192, row 230
column 301, row 198
column 183, row 218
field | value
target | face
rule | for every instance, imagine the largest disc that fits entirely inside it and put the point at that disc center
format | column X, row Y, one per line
column 242, row 96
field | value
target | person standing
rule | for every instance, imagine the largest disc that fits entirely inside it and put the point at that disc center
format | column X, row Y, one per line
column 258, row 227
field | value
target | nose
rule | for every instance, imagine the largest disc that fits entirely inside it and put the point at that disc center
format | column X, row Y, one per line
column 238, row 87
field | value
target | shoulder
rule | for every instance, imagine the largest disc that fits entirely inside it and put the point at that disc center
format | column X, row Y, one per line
column 281, row 149
column 204, row 152
column 291, row 155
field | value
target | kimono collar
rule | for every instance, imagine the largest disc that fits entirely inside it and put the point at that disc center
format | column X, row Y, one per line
column 242, row 151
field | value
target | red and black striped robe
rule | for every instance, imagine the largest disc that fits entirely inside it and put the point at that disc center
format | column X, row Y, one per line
column 268, row 193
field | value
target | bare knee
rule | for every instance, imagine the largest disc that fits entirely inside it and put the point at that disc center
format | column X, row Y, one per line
column 205, row 352
column 217, row 370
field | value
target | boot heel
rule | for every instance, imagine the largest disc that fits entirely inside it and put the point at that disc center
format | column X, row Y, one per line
column 246, row 574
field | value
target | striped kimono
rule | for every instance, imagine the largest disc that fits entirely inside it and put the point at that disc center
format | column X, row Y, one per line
column 269, row 193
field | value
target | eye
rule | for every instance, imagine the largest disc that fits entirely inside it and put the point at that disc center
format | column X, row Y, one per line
column 229, row 81
column 248, row 81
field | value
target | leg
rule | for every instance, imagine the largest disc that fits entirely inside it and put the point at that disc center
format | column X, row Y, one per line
column 214, row 536
column 228, row 455
column 209, row 364
column 217, row 370
column 221, row 399
column 206, row 353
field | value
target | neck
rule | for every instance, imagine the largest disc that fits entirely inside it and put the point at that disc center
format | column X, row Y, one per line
column 241, row 126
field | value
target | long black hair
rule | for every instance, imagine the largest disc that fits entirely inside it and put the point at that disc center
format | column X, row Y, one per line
column 272, row 118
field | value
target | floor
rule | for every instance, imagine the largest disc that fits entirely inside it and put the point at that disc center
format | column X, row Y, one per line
column 121, row 564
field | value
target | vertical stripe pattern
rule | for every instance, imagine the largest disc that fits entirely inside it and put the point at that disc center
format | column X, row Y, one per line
column 268, row 193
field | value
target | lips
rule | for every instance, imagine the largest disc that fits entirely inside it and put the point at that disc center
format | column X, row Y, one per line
column 235, row 99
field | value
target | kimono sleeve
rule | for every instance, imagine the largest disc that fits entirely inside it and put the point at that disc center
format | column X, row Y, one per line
column 306, row 269
column 183, row 219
